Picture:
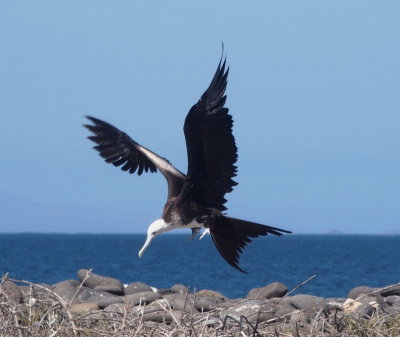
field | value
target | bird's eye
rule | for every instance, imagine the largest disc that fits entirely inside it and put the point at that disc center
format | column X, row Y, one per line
column 154, row 233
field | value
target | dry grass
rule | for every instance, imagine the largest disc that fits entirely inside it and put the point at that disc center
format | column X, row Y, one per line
column 46, row 314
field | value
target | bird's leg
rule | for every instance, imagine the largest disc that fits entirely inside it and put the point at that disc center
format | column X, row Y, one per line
column 207, row 230
column 195, row 231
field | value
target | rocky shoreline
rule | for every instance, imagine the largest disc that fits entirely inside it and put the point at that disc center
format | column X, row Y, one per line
column 103, row 296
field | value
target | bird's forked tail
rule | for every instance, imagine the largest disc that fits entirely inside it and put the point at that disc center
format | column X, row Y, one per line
column 231, row 236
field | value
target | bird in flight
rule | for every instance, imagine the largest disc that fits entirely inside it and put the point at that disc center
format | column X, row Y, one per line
column 195, row 200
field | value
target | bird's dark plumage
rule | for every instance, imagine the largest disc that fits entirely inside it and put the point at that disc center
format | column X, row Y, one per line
column 198, row 198
column 231, row 236
column 117, row 148
column 211, row 148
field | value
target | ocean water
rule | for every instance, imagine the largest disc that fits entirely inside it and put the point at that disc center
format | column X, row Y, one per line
column 340, row 262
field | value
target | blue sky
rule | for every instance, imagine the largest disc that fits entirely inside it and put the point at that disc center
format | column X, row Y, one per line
column 313, row 89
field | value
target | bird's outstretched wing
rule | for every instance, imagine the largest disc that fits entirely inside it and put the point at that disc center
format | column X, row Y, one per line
column 231, row 236
column 210, row 144
column 117, row 148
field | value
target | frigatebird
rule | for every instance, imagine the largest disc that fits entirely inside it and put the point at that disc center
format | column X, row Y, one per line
column 195, row 200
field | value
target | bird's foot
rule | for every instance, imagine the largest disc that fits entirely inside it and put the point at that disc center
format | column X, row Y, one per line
column 207, row 230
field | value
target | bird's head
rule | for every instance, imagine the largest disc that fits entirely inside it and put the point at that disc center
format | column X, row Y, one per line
column 156, row 228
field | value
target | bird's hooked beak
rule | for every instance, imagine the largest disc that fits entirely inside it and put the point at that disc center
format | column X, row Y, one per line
column 150, row 238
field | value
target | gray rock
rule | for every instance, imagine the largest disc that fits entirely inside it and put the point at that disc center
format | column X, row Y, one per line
column 366, row 310
column 306, row 302
column 285, row 302
column 164, row 291
column 180, row 302
column 301, row 317
column 73, row 283
column 392, row 304
column 143, row 297
column 393, row 300
column 276, row 289
column 137, row 287
column 36, row 290
column 250, row 309
column 107, row 301
column 83, row 308
column 357, row 291
column 105, row 283
column 118, row 308
column 179, row 289
column 284, row 314
column 265, row 317
column 115, row 290
column 203, row 304
column 88, row 295
column 210, row 293
column 66, row 289
column 12, row 292
column 394, row 291
column 231, row 302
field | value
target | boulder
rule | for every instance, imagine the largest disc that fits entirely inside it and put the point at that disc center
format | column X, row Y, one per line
column 102, row 283
column 115, row 290
column 210, row 293
column 12, row 292
column 137, row 287
column 251, row 309
column 393, row 300
column 179, row 289
column 143, row 297
column 301, row 317
column 118, row 308
column 66, row 289
column 180, row 302
column 206, row 303
column 164, row 291
column 88, row 295
column 107, row 301
column 284, row 314
column 83, row 308
column 276, row 289
column 307, row 302
column 357, row 291
column 393, row 291
column 392, row 304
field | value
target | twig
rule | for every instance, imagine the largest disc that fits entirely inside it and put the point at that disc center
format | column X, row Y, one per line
column 380, row 290
column 59, row 300
column 297, row 287
column 315, row 320
column 4, row 278
column 254, row 301
column 80, row 287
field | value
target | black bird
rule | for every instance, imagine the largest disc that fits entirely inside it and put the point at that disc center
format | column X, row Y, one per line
column 195, row 200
